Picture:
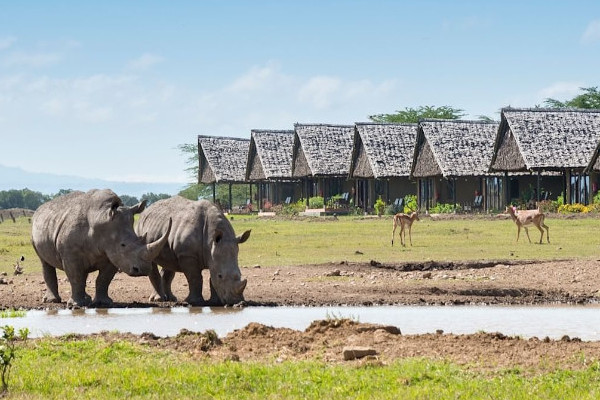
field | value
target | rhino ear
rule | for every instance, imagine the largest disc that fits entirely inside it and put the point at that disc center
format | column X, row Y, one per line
column 244, row 236
column 114, row 209
column 139, row 207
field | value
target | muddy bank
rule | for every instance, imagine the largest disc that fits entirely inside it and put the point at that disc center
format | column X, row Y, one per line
column 489, row 282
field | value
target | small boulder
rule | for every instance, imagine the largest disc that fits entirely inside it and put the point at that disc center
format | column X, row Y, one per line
column 356, row 352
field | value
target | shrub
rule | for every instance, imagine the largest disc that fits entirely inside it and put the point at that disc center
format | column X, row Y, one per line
column 294, row 208
column 379, row 206
column 410, row 203
column 444, row 208
column 316, row 202
column 8, row 353
column 573, row 208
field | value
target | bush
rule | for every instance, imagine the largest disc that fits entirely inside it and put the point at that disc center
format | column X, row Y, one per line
column 294, row 208
column 316, row 202
column 410, row 203
column 379, row 206
column 8, row 353
column 444, row 208
column 573, row 208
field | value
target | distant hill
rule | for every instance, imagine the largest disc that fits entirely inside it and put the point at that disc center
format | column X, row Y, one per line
column 17, row 178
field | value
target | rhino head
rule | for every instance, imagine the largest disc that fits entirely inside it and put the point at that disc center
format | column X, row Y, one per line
column 225, row 275
column 114, row 234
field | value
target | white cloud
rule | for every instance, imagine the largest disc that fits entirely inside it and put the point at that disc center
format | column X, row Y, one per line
column 320, row 91
column 592, row 32
column 144, row 62
column 6, row 42
column 34, row 60
column 560, row 90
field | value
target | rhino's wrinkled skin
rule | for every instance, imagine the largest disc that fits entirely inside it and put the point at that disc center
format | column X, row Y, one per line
column 84, row 232
column 201, row 238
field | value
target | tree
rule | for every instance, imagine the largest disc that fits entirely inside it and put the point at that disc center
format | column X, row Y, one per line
column 129, row 200
column 413, row 115
column 192, row 160
column 153, row 197
column 590, row 98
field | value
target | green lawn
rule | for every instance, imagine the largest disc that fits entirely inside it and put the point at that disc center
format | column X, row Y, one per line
column 95, row 369
column 276, row 242
column 285, row 242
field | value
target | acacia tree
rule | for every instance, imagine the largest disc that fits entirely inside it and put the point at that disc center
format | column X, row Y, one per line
column 413, row 115
column 590, row 98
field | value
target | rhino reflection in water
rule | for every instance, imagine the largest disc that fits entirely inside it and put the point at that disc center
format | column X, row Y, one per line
column 85, row 232
column 201, row 238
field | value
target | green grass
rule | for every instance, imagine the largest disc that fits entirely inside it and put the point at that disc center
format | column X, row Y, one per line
column 10, row 313
column 284, row 242
column 295, row 242
column 93, row 368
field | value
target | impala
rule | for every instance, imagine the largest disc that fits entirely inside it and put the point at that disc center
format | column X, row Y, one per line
column 526, row 218
column 404, row 220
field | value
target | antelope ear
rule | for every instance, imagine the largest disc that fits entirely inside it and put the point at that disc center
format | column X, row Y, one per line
column 244, row 236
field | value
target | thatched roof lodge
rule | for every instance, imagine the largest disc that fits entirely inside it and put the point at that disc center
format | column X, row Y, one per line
column 447, row 150
column 382, row 154
column 321, row 156
column 538, row 139
column 270, row 163
column 222, row 160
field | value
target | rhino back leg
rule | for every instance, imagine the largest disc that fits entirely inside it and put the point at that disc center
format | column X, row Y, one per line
column 167, row 280
column 193, row 273
column 51, row 280
column 105, row 276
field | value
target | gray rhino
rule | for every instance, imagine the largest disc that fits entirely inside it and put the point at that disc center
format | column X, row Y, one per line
column 84, row 232
column 201, row 238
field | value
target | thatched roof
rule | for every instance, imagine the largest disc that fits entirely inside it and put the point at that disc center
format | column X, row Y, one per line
column 545, row 139
column 382, row 150
column 322, row 150
column 222, row 159
column 270, row 155
column 453, row 148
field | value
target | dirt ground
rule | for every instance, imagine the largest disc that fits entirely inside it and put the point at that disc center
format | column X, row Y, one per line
column 499, row 282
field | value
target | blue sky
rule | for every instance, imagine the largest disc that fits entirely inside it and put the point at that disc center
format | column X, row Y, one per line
column 108, row 89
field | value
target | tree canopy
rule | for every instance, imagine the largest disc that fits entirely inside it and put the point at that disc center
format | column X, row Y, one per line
column 590, row 98
column 413, row 115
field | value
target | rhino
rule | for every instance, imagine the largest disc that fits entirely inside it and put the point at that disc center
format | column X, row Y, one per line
column 84, row 232
column 201, row 238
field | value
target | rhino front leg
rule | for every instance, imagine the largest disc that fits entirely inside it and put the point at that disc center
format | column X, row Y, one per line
column 77, row 278
column 167, row 280
column 156, row 281
column 105, row 276
column 51, row 280
column 193, row 274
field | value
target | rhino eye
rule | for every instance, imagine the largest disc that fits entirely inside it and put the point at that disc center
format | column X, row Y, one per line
column 122, row 244
column 220, row 276
column 218, row 238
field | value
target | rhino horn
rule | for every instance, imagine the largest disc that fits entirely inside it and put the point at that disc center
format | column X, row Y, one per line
column 153, row 249
column 242, row 286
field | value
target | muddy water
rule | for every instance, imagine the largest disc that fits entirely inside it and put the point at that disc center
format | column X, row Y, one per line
column 554, row 322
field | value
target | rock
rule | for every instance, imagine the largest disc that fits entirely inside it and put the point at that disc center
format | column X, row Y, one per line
column 337, row 272
column 355, row 352
column 358, row 252
column 375, row 263
column 427, row 275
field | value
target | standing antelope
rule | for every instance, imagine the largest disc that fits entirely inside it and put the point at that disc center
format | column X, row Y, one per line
column 404, row 220
column 524, row 218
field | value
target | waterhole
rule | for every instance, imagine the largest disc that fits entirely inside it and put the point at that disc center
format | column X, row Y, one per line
column 525, row 321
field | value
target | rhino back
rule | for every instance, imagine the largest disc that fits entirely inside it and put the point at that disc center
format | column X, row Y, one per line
column 187, row 237
column 61, row 226
column 52, row 223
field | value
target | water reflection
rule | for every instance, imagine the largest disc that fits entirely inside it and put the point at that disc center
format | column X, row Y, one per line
column 575, row 321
